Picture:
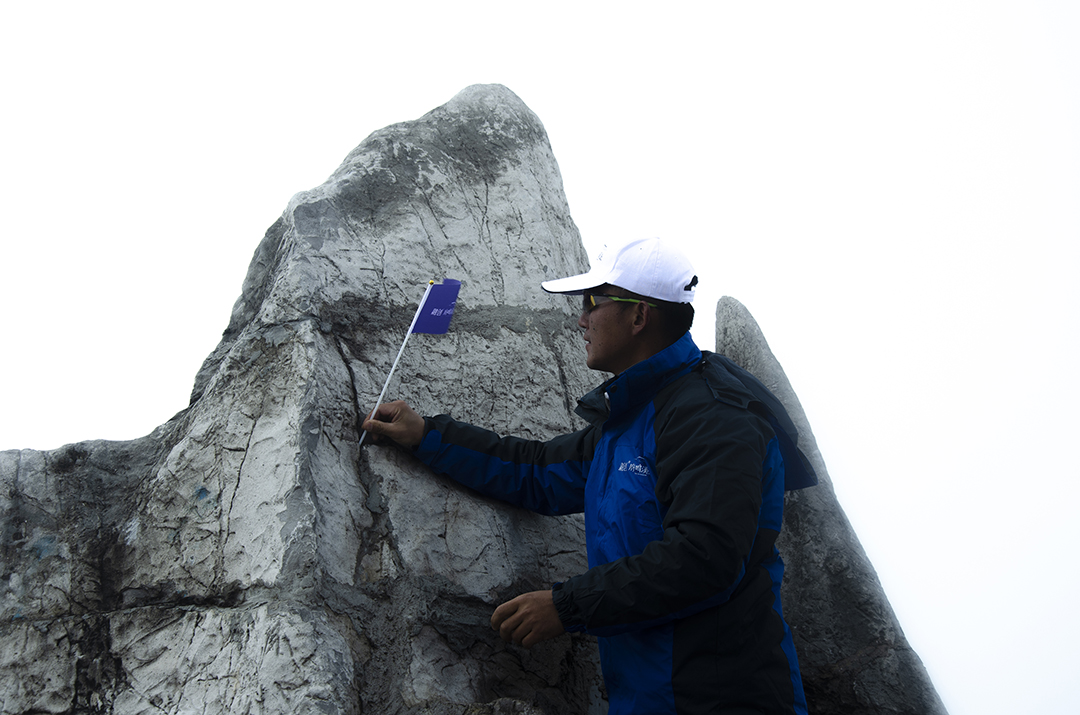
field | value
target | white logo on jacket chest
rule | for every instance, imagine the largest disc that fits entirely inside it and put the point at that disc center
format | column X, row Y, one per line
column 636, row 466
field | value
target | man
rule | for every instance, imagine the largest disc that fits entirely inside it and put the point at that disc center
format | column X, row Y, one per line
column 681, row 475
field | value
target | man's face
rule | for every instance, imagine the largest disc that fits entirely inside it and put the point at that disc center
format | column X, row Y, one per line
column 608, row 333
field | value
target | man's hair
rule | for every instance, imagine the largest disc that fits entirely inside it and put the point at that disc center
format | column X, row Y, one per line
column 675, row 318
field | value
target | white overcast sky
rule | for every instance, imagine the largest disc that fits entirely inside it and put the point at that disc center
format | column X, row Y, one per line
column 890, row 188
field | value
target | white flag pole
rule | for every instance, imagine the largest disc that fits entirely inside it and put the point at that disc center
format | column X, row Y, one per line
column 393, row 367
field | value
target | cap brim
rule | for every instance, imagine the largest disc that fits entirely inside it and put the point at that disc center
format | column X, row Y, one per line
column 574, row 285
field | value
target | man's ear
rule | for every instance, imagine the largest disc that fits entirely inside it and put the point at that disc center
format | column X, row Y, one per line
column 641, row 318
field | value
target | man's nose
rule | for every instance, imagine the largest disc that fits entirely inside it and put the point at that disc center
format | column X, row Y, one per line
column 583, row 320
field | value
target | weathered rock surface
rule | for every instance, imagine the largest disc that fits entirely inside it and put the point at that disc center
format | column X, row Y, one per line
column 246, row 557
column 852, row 652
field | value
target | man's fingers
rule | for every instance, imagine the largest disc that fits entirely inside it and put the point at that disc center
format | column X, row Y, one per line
column 518, row 630
column 380, row 418
column 396, row 421
column 389, row 411
column 527, row 619
column 505, row 620
column 374, row 426
column 501, row 613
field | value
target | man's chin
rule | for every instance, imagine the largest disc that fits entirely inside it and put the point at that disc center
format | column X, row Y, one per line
column 593, row 365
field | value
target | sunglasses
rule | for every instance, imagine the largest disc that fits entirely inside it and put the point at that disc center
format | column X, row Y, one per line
column 590, row 301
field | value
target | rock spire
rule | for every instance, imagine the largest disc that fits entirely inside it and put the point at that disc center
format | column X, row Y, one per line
column 853, row 654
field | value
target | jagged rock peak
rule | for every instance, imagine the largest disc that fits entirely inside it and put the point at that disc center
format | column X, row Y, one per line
column 470, row 191
column 246, row 556
column 401, row 187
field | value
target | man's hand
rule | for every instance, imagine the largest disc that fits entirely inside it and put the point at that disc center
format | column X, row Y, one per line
column 398, row 422
column 528, row 619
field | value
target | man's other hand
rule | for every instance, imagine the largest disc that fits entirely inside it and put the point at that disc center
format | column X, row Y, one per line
column 395, row 421
column 528, row 619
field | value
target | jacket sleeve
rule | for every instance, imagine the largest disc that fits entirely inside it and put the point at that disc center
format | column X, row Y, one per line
column 545, row 477
column 710, row 459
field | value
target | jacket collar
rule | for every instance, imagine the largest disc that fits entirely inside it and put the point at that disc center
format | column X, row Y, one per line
column 640, row 383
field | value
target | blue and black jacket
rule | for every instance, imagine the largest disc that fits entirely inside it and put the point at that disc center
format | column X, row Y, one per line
column 681, row 476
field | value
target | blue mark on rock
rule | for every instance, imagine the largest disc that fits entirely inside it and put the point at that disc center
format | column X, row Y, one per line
column 203, row 503
column 45, row 546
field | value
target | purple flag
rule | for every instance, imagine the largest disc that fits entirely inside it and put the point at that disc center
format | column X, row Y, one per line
column 435, row 314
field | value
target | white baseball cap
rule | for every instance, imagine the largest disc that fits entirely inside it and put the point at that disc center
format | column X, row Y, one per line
column 648, row 267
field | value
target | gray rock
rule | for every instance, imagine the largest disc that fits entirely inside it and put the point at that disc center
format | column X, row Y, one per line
column 245, row 557
column 852, row 652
